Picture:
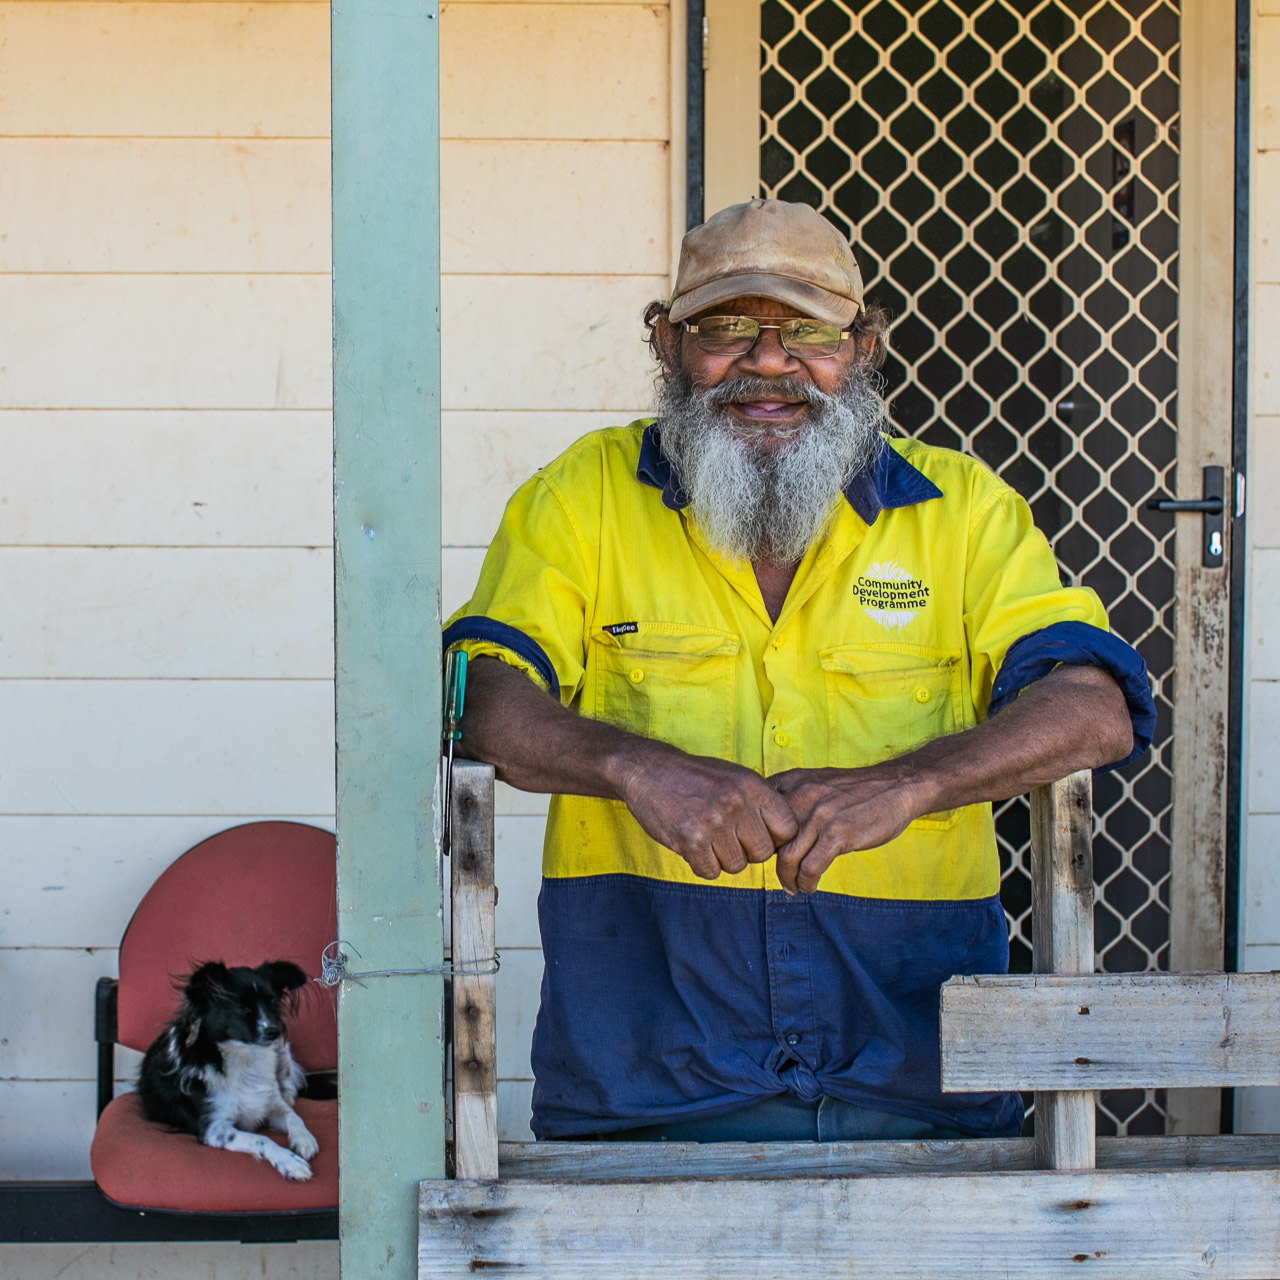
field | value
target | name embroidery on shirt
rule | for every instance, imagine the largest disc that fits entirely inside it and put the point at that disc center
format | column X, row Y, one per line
column 890, row 595
column 622, row 628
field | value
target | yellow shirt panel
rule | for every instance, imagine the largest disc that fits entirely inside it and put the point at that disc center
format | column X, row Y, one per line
column 891, row 635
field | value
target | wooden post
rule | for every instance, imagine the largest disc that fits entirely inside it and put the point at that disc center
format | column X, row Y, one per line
column 1206, row 208
column 386, row 402
column 1062, row 928
column 475, row 1033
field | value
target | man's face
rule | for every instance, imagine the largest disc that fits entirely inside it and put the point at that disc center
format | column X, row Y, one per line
column 763, row 442
column 769, row 419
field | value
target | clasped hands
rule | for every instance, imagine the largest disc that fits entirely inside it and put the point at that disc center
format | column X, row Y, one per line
column 720, row 817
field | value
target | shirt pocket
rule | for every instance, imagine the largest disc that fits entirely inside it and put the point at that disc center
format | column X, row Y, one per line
column 669, row 681
column 885, row 701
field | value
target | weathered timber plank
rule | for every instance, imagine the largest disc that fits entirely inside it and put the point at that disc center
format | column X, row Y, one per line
column 1123, row 1031
column 1062, row 912
column 1038, row 1226
column 672, row 1161
column 1198, row 814
column 1210, row 1151
column 475, row 1048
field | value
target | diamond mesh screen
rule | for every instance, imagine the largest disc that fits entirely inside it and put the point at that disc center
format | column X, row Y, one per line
column 1007, row 170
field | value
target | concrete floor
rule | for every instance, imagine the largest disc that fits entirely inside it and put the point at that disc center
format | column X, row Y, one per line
column 312, row 1260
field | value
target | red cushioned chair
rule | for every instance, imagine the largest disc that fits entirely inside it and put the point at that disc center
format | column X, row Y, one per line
column 263, row 891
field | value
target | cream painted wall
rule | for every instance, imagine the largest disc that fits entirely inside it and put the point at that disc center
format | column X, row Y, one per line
column 1258, row 1110
column 165, row 562
column 166, row 645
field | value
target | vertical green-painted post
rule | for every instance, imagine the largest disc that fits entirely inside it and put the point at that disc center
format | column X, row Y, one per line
column 386, row 291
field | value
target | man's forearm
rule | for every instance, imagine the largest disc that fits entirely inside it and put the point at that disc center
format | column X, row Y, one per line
column 532, row 741
column 716, row 815
column 1074, row 718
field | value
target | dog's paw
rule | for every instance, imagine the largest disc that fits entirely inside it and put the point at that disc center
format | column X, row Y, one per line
column 304, row 1144
column 293, row 1167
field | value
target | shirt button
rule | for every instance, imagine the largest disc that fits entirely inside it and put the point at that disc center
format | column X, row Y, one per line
column 635, row 675
column 780, row 738
column 793, row 1040
column 922, row 695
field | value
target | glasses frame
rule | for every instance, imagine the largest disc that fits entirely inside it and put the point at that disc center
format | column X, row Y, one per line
column 761, row 326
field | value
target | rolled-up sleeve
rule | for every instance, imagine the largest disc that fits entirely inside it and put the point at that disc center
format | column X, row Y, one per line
column 530, row 602
column 1022, row 622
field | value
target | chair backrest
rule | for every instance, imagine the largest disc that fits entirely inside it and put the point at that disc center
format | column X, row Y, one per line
column 262, row 891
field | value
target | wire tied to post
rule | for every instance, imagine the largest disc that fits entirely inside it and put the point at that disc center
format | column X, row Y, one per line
column 333, row 967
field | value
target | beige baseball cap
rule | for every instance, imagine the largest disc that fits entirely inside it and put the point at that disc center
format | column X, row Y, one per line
column 769, row 249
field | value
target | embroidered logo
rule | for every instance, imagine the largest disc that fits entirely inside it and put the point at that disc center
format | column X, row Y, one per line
column 890, row 595
column 622, row 628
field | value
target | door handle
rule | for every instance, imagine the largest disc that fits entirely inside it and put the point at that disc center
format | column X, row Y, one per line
column 1185, row 504
column 1211, row 506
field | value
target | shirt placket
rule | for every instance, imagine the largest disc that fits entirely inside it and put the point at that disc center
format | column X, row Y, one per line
column 791, row 992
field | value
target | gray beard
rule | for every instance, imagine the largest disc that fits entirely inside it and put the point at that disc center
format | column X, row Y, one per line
column 769, row 505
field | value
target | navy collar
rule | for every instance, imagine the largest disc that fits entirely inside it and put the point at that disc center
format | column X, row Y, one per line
column 889, row 482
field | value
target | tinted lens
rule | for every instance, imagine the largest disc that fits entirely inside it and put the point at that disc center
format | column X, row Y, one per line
column 810, row 338
column 727, row 335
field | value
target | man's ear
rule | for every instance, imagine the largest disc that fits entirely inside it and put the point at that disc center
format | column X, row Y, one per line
column 866, row 344
column 667, row 337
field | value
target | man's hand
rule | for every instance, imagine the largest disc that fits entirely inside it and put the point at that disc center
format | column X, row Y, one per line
column 839, row 811
column 720, row 817
column 717, row 816
column 1073, row 718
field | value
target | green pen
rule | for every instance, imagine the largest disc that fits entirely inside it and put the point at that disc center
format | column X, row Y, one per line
column 455, row 687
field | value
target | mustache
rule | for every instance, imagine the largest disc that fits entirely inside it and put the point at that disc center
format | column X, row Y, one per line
column 759, row 504
column 737, row 390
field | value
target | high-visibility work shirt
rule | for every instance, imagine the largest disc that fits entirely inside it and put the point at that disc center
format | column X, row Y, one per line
column 930, row 602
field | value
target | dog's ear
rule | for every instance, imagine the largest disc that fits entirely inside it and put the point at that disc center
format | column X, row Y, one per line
column 282, row 976
column 207, row 982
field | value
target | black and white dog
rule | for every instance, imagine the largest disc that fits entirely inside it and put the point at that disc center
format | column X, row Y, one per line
column 222, row 1068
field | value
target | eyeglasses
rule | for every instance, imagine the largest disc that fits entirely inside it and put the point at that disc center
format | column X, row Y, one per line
column 736, row 335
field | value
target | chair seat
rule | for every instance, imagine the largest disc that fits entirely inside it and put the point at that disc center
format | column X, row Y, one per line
column 140, row 1165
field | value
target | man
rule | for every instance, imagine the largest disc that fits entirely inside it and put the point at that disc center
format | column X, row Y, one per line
column 756, row 648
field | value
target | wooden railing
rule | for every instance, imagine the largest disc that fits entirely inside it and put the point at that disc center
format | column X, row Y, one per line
column 1117, row 1207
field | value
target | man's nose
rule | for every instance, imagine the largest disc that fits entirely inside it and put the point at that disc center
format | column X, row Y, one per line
column 768, row 358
